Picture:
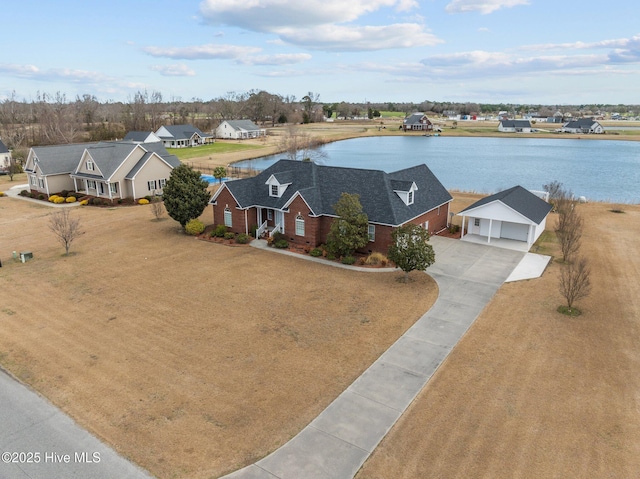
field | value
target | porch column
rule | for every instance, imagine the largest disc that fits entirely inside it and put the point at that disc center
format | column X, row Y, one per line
column 246, row 224
column 489, row 235
column 462, row 229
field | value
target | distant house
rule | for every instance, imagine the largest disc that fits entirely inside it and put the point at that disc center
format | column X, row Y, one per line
column 182, row 136
column 296, row 198
column 142, row 137
column 515, row 214
column 239, row 130
column 515, row 126
column 583, row 125
column 5, row 158
column 417, row 122
column 110, row 169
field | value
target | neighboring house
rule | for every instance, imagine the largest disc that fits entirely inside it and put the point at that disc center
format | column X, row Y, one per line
column 515, row 126
column 5, row 158
column 182, row 136
column 297, row 197
column 583, row 125
column 417, row 122
column 110, row 169
column 515, row 214
column 239, row 130
column 142, row 137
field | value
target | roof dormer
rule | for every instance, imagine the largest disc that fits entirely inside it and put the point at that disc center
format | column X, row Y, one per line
column 406, row 190
column 277, row 184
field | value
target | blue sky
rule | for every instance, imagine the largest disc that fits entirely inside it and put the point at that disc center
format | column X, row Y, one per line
column 488, row 51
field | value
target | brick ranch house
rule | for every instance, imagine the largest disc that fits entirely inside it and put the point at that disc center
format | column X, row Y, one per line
column 296, row 198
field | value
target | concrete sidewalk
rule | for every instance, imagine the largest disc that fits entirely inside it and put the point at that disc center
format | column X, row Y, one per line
column 36, row 438
column 341, row 438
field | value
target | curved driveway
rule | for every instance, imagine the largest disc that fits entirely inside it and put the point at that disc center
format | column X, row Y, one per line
column 341, row 438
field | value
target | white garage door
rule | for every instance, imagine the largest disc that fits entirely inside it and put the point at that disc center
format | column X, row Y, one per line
column 514, row 231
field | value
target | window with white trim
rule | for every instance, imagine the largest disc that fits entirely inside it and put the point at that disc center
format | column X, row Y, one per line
column 163, row 182
column 228, row 222
column 274, row 190
column 101, row 187
column 91, row 184
column 299, row 225
column 41, row 182
column 438, row 211
column 151, row 184
column 371, row 231
column 410, row 198
column 476, row 222
column 113, row 188
column 426, row 225
column 34, row 181
column 90, row 165
column 270, row 215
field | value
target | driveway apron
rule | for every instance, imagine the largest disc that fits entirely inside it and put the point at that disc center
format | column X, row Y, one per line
column 336, row 443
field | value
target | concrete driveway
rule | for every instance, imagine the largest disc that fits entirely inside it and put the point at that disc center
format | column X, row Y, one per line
column 341, row 438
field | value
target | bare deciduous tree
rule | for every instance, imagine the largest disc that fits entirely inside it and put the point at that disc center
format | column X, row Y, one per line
column 157, row 208
column 65, row 227
column 569, row 225
column 574, row 281
column 300, row 145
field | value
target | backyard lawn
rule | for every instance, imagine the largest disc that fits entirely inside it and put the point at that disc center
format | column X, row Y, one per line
column 217, row 148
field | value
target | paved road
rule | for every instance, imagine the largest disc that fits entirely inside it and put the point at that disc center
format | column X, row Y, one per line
column 45, row 435
column 341, row 438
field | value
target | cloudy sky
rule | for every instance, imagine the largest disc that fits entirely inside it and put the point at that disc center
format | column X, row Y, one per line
column 515, row 51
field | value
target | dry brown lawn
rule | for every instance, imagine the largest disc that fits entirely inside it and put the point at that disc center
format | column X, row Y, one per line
column 191, row 358
column 530, row 393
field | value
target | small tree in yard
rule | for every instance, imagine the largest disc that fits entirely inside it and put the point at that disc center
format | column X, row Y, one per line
column 185, row 194
column 410, row 249
column 65, row 227
column 157, row 208
column 219, row 172
column 349, row 231
column 574, row 282
column 569, row 226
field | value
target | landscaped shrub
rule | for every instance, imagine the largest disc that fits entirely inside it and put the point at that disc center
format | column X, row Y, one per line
column 253, row 230
column 64, row 193
column 58, row 200
column 281, row 243
column 84, row 202
column 375, row 259
column 229, row 235
column 32, row 195
column 194, row 227
column 348, row 260
column 453, row 229
column 143, row 201
column 71, row 199
column 41, row 197
column 25, row 193
column 277, row 236
column 316, row 252
column 219, row 231
column 331, row 256
column 243, row 238
column 52, row 198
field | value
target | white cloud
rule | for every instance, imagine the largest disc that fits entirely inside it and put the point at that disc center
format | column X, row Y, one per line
column 321, row 24
column 267, row 15
column 622, row 50
column 201, row 52
column 277, row 59
column 366, row 38
column 483, row 6
column 32, row 72
column 177, row 70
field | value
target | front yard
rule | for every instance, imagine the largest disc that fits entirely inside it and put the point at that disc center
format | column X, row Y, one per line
column 190, row 358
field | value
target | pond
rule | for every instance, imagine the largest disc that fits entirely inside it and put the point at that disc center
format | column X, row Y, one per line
column 600, row 170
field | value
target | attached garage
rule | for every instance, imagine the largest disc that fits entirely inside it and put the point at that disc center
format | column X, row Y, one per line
column 514, row 214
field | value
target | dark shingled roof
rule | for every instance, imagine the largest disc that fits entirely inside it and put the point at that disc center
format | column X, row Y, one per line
column 321, row 187
column 520, row 200
column 137, row 136
column 580, row 123
column 182, row 132
column 3, row 148
column 516, row 123
column 243, row 125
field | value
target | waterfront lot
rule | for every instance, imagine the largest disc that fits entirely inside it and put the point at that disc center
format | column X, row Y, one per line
column 190, row 358
column 530, row 393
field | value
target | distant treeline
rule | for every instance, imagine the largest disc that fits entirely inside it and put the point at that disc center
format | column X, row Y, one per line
column 55, row 119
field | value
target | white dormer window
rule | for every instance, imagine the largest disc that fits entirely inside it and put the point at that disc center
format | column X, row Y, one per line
column 407, row 193
column 90, row 166
column 410, row 198
column 276, row 186
column 275, row 190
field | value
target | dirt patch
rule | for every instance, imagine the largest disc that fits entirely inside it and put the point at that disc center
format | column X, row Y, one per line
column 529, row 392
column 191, row 358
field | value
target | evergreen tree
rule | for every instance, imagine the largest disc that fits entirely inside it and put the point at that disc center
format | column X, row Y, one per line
column 410, row 249
column 349, row 231
column 185, row 194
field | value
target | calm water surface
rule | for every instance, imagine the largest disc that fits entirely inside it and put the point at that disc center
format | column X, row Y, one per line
column 598, row 169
